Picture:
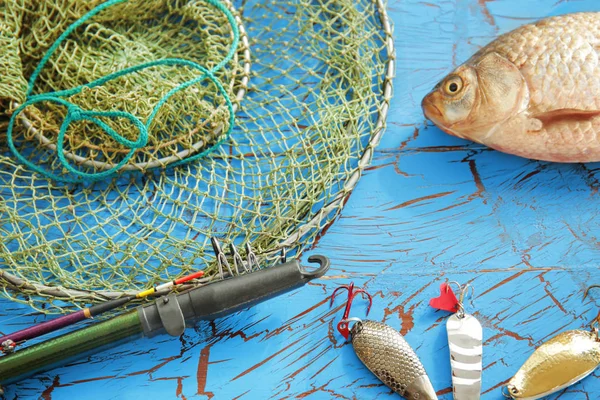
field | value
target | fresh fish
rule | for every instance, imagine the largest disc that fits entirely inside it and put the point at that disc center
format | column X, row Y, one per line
column 560, row 362
column 533, row 92
column 386, row 353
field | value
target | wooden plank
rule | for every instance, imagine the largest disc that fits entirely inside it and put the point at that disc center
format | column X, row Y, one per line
column 525, row 234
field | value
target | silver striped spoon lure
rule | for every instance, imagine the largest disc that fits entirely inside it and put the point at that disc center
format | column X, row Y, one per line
column 465, row 339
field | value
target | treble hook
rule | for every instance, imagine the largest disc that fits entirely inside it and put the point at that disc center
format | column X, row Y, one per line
column 237, row 259
column 251, row 258
column 463, row 289
column 283, row 256
column 588, row 290
column 221, row 258
column 343, row 324
column 596, row 322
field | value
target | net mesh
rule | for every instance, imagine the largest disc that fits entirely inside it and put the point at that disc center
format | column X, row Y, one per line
column 315, row 107
column 191, row 119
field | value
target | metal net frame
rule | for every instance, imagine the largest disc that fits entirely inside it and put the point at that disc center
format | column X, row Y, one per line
column 312, row 114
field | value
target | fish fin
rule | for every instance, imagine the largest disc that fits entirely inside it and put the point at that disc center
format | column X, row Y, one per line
column 534, row 125
column 566, row 114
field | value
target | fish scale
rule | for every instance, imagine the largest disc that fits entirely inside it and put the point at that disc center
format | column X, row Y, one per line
column 385, row 352
column 559, row 58
column 533, row 92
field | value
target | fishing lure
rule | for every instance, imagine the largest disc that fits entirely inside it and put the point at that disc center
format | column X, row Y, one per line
column 562, row 361
column 385, row 352
column 465, row 340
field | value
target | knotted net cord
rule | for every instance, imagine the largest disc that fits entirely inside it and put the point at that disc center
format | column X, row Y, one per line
column 140, row 109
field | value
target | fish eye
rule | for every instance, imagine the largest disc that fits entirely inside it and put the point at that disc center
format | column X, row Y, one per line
column 453, row 85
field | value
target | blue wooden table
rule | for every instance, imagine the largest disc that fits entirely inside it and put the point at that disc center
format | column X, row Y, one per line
column 525, row 234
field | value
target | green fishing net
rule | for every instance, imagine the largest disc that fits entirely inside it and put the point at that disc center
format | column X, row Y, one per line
column 107, row 43
column 309, row 84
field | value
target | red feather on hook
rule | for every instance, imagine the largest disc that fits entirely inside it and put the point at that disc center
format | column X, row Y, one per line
column 446, row 301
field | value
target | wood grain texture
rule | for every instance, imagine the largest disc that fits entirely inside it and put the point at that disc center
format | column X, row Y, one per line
column 525, row 234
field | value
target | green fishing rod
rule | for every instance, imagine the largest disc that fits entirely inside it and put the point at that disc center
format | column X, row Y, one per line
column 170, row 314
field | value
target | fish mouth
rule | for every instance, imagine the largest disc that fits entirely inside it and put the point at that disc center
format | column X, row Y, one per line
column 431, row 111
column 435, row 115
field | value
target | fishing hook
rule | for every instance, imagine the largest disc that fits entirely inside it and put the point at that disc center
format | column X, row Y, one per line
column 588, row 290
column 237, row 259
column 283, row 256
column 252, row 260
column 352, row 292
column 463, row 289
column 221, row 258
column 250, row 265
column 596, row 322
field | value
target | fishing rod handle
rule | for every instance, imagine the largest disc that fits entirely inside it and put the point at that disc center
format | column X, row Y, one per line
column 173, row 312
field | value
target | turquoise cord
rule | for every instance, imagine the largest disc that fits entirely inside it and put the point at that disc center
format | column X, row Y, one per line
column 75, row 113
